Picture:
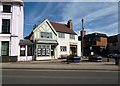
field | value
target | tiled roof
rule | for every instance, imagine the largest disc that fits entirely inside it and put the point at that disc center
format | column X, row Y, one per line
column 59, row 27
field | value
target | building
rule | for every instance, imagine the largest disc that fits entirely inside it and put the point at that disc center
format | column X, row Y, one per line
column 119, row 42
column 11, row 28
column 95, row 43
column 114, row 44
column 53, row 40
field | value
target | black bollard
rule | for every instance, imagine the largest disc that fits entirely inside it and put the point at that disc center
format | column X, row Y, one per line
column 116, row 61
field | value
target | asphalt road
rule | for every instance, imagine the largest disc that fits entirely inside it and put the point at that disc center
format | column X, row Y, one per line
column 25, row 76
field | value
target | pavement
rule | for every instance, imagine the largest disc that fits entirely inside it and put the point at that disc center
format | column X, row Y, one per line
column 61, row 64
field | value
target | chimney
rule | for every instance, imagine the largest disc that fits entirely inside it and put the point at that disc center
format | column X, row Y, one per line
column 70, row 24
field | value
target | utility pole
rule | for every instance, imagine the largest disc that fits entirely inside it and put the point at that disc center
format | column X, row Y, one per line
column 82, row 37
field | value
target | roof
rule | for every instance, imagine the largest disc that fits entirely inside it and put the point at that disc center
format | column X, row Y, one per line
column 15, row 1
column 97, row 35
column 59, row 27
column 25, row 42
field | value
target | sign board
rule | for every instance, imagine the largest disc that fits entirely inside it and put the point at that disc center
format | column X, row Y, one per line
column 22, row 47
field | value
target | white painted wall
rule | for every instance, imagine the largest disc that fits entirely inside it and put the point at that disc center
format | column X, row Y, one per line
column 16, row 27
column 66, row 42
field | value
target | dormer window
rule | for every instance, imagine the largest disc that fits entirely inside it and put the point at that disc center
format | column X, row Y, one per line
column 7, row 8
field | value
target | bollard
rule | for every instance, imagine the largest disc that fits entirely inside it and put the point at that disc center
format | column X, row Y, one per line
column 67, row 60
column 116, row 61
column 108, row 60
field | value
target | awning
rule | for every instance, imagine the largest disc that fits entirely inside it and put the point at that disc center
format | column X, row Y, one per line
column 47, row 41
column 25, row 42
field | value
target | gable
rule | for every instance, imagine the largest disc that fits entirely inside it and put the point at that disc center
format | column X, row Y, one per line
column 44, row 27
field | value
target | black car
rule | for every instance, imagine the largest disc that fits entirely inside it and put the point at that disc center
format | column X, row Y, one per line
column 95, row 58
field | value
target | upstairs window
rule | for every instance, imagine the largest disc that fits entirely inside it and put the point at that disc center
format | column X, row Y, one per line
column 97, row 38
column 46, row 35
column 5, row 25
column 72, row 36
column 61, row 35
column 7, row 8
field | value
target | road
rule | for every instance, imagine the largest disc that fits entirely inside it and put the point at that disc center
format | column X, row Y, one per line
column 25, row 76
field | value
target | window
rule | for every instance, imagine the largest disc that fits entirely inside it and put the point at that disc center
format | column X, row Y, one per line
column 97, row 38
column 72, row 36
column 22, row 50
column 43, row 50
column 63, row 48
column 46, row 35
column 7, row 8
column 5, row 25
column 61, row 35
column 29, row 51
column 5, row 48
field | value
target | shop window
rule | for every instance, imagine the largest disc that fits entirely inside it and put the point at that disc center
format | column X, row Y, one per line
column 29, row 51
column 63, row 48
column 5, row 48
column 5, row 25
column 7, row 8
column 22, row 50
column 43, row 50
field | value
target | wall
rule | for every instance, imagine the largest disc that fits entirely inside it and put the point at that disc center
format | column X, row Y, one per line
column 66, row 42
column 43, row 27
column 16, row 27
column 103, row 42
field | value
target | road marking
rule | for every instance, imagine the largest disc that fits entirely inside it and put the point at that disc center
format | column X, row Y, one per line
column 58, row 70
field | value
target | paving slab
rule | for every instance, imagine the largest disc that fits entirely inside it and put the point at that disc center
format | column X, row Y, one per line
column 61, row 65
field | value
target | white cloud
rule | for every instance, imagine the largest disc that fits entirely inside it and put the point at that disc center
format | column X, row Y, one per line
column 100, row 12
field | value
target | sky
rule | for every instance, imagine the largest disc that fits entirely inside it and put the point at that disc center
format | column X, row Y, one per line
column 99, row 17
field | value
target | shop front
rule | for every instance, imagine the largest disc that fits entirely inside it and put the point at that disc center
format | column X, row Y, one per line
column 25, row 50
column 45, row 50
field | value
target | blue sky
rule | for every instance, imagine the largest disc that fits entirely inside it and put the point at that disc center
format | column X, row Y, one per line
column 99, row 16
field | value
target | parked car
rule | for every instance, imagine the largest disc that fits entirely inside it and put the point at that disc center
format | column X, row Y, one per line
column 111, row 55
column 116, row 56
column 95, row 58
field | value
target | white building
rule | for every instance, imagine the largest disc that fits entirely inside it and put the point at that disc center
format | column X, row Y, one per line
column 53, row 40
column 11, row 27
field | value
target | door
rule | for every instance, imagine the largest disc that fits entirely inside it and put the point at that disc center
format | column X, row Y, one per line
column 52, row 51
